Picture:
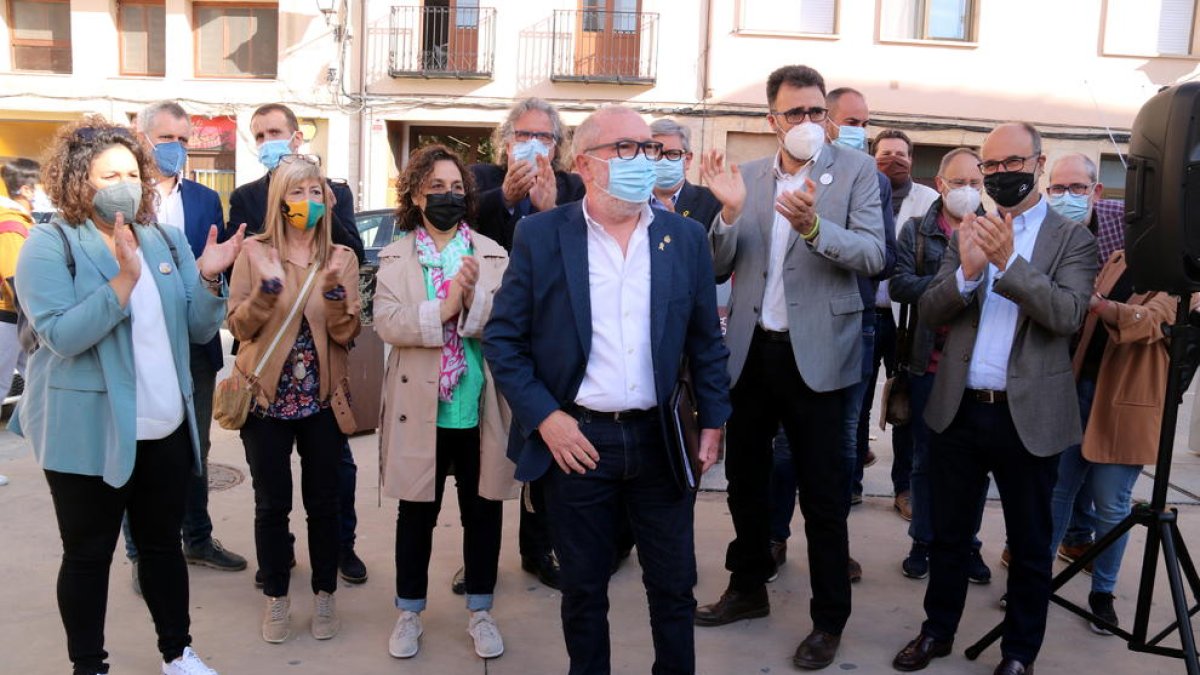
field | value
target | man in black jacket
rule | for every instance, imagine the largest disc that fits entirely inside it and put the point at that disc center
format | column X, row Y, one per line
column 277, row 134
column 672, row 190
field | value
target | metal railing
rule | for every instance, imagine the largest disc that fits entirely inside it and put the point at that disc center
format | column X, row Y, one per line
column 442, row 42
column 599, row 46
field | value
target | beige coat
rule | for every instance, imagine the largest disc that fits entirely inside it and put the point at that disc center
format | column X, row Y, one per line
column 411, row 324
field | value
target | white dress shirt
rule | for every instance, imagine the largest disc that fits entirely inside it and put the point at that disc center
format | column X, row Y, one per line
column 620, row 367
column 170, row 210
column 998, row 319
column 159, row 403
column 774, row 306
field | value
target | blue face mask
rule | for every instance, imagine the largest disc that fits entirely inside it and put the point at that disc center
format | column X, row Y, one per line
column 852, row 137
column 1069, row 206
column 529, row 151
column 667, row 173
column 170, row 157
column 270, row 152
column 631, row 180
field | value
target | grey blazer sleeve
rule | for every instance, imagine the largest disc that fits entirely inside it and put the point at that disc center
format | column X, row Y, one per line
column 723, row 240
column 1058, row 304
column 858, row 244
column 941, row 300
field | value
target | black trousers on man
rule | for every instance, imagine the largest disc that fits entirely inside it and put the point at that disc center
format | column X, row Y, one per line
column 982, row 438
column 771, row 392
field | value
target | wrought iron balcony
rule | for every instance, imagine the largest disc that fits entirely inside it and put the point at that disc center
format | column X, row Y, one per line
column 600, row 46
column 442, row 42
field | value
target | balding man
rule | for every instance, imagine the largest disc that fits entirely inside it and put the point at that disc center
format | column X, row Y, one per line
column 601, row 301
column 1013, row 289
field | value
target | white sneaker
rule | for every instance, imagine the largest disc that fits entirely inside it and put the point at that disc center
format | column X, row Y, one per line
column 483, row 630
column 3, row 480
column 188, row 664
column 406, row 636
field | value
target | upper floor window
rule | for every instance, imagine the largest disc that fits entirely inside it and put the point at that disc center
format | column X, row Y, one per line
column 1151, row 28
column 142, row 26
column 950, row 20
column 811, row 17
column 40, row 32
column 236, row 39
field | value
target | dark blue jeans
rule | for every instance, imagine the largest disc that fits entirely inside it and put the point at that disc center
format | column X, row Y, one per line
column 585, row 511
column 347, row 484
column 885, row 355
column 854, row 454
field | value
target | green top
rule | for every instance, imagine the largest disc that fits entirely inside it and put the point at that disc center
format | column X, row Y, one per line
column 462, row 411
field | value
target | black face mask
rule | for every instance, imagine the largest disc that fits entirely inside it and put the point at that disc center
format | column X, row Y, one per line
column 1009, row 188
column 445, row 210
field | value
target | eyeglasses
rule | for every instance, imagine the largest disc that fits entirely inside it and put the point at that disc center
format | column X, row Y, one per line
column 958, row 182
column 1010, row 164
column 674, row 155
column 543, row 137
column 797, row 115
column 315, row 160
column 1077, row 189
column 653, row 150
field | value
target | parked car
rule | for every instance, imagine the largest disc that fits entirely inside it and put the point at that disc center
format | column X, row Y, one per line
column 376, row 228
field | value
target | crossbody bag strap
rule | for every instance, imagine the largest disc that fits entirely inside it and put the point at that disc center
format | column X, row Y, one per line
column 300, row 300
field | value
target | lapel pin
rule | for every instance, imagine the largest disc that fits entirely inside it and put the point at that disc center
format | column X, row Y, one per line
column 164, row 268
column 685, row 214
column 662, row 245
column 826, row 178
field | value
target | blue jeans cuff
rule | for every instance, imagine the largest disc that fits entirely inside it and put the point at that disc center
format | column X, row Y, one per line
column 479, row 603
column 410, row 604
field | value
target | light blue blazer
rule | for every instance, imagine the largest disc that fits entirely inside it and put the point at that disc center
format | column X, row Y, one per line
column 79, row 408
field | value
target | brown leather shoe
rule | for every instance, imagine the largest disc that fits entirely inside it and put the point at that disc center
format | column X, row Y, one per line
column 903, row 504
column 918, row 653
column 1013, row 667
column 817, row 650
column 854, row 571
column 734, row 606
column 1070, row 554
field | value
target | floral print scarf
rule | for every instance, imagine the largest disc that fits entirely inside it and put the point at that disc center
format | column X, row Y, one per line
column 442, row 266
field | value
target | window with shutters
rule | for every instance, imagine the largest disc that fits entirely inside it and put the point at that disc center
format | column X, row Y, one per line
column 799, row 17
column 928, row 20
column 236, row 39
column 1151, row 28
column 40, row 32
column 142, row 26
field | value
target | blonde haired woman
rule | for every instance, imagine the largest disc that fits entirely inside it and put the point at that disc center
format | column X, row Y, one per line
column 295, row 255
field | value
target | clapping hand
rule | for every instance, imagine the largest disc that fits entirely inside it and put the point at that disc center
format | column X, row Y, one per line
column 971, row 256
column 995, row 237
column 726, row 184
column 219, row 257
column 797, row 207
column 264, row 259
column 335, row 267
column 544, row 191
column 518, row 181
column 464, row 282
column 125, row 249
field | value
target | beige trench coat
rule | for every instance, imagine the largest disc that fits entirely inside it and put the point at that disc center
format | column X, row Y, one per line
column 411, row 324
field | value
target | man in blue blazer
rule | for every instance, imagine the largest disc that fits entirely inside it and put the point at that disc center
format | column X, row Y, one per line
column 165, row 129
column 601, row 302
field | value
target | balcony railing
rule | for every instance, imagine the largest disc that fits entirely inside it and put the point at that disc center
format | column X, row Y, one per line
column 442, row 42
column 599, row 46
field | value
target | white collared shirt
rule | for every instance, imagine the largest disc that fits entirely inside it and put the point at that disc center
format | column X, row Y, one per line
column 170, row 211
column 998, row 319
column 774, row 304
column 620, row 367
column 159, row 403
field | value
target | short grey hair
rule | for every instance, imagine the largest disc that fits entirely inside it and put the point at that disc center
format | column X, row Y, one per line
column 950, row 156
column 145, row 118
column 1088, row 164
column 504, row 132
column 669, row 127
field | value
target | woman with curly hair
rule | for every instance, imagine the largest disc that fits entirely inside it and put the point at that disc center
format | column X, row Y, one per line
column 441, row 408
column 115, row 300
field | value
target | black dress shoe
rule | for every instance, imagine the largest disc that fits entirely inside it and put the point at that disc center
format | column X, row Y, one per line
column 918, row 653
column 817, row 650
column 544, row 567
column 351, row 567
column 458, row 585
column 1013, row 667
column 734, row 606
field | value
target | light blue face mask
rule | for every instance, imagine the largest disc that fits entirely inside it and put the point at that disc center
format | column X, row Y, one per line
column 631, row 180
column 668, row 173
column 1069, row 206
column 529, row 151
column 270, row 152
column 852, row 137
column 171, row 157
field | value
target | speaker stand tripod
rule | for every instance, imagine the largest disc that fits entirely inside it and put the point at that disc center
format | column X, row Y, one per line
column 1162, row 529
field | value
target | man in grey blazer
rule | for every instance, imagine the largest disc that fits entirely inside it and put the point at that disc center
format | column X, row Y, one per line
column 795, row 230
column 1013, row 288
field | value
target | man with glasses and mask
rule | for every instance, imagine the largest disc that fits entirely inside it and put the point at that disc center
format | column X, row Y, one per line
column 796, row 229
column 601, row 301
column 277, row 134
column 672, row 190
column 1013, row 288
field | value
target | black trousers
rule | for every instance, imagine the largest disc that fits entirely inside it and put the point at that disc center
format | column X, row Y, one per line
column 268, row 442
column 481, row 519
column 771, row 392
column 982, row 438
column 89, row 513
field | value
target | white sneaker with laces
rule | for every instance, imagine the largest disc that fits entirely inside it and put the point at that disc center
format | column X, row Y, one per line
column 406, row 636
column 188, row 664
column 483, row 630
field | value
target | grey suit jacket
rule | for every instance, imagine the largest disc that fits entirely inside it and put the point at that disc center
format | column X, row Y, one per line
column 1052, row 291
column 824, row 306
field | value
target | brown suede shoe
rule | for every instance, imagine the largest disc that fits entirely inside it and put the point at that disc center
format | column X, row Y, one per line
column 918, row 653
column 734, row 606
column 1070, row 554
column 817, row 650
column 903, row 504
